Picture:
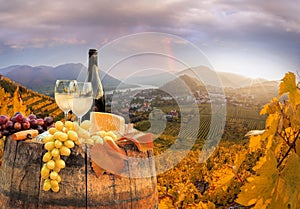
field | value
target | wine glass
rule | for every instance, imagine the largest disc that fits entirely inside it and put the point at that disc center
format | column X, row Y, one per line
column 64, row 91
column 82, row 100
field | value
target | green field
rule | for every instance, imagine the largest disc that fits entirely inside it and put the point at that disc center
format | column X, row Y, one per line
column 239, row 120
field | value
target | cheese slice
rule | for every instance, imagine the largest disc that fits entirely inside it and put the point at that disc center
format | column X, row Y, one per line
column 106, row 122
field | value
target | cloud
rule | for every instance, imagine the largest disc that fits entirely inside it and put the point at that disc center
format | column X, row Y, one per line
column 99, row 20
column 280, row 15
column 224, row 25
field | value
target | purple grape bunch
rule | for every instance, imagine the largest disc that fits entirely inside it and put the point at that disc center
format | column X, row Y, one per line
column 19, row 122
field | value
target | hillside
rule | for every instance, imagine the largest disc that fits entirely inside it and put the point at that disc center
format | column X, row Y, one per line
column 38, row 104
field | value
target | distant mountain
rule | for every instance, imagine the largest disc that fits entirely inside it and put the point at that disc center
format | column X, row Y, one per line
column 42, row 78
column 263, row 91
column 237, row 81
column 203, row 74
column 184, row 85
column 153, row 80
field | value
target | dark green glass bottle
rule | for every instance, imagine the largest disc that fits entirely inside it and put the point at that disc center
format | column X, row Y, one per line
column 93, row 76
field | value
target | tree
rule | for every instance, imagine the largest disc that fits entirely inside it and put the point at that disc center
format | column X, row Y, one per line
column 4, row 100
column 18, row 105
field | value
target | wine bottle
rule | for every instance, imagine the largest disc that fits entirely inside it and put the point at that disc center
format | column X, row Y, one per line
column 94, row 78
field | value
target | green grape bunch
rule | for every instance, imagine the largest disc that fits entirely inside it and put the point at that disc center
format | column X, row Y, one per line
column 61, row 139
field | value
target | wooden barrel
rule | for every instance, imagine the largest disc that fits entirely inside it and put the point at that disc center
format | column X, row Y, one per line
column 21, row 182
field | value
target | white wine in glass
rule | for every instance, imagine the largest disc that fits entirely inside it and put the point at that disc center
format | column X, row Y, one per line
column 64, row 93
column 82, row 100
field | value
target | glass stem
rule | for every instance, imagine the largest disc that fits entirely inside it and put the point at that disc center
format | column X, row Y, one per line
column 79, row 120
column 66, row 115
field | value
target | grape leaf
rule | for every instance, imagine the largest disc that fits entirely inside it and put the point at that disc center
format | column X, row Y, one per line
column 239, row 159
column 287, row 84
column 295, row 97
column 270, row 142
column 254, row 142
column 166, row 203
column 222, row 177
column 295, row 118
column 202, row 205
column 180, row 198
column 260, row 163
column 265, row 109
column 261, row 186
column 272, row 123
column 261, row 204
column 274, row 106
column 271, row 189
column 259, row 136
column 287, row 190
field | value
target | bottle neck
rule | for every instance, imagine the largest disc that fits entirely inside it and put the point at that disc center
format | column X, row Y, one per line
column 93, row 59
column 93, row 76
column 93, row 66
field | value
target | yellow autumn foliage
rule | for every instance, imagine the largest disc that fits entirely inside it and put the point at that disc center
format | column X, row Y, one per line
column 275, row 184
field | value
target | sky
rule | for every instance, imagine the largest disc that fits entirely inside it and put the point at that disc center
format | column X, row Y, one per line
column 249, row 37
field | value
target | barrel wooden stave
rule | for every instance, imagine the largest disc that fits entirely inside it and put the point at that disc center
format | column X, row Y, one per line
column 114, row 191
column 125, row 190
column 21, row 165
column 143, row 182
column 72, row 188
column 21, row 184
